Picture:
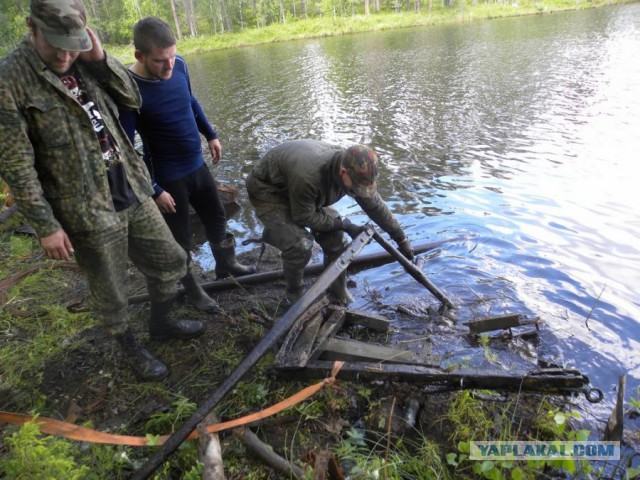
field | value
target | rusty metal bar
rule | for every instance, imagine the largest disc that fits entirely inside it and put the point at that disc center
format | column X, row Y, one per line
column 412, row 269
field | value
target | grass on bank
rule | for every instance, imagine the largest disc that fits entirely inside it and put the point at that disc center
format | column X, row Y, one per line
column 316, row 27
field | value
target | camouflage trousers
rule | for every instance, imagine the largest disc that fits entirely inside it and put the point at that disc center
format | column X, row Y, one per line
column 143, row 236
column 294, row 241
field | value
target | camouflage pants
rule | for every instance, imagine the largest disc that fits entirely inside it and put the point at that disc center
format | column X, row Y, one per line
column 143, row 236
column 295, row 242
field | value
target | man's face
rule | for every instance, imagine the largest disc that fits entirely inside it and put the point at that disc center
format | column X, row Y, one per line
column 56, row 59
column 158, row 64
column 347, row 183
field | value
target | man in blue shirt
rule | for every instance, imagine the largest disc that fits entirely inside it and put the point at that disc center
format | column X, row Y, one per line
column 170, row 123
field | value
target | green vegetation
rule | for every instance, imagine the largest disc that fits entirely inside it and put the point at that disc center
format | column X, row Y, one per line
column 34, row 456
column 220, row 24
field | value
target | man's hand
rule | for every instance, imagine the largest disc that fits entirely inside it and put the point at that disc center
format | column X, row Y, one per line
column 216, row 150
column 96, row 54
column 57, row 245
column 165, row 203
column 405, row 248
column 351, row 228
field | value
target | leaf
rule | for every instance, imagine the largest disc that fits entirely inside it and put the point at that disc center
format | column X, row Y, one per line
column 486, row 466
column 633, row 473
column 451, row 459
column 559, row 418
column 582, row 435
column 569, row 465
column 152, row 440
column 516, row 474
column 464, row 447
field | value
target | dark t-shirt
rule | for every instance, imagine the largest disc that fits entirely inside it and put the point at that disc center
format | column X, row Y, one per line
column 121, row 192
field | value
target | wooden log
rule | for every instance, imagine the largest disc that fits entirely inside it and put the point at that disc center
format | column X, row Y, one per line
column 329, row 328
column 209, row 450
column 501, row 322
column 411, row 411
column 369, row 320
column 299, row 341
column 321, row 465
column 615, row 425
column 267, row 455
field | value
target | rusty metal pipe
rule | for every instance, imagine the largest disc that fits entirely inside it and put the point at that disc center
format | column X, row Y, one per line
column 411, row 268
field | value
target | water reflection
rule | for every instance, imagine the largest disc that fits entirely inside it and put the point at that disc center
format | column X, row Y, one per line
column 520, row 134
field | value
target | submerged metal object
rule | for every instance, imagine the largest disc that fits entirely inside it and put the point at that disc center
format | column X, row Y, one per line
column 412, row 270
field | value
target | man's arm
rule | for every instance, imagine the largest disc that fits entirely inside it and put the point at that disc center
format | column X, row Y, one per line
column 216, row 150
column 18, row 170
column 57, row 245
column 305, row 211
column 378, row 211
column 205, row 128
column 163, row 199
column 111, row 75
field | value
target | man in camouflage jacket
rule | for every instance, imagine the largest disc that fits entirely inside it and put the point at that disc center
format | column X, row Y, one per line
column 76, row 178
column 292, row 188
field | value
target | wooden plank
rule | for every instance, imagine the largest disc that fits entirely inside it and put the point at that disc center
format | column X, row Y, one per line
column 615, row 424
column 299, row 341
column 369, row 320
column 327, row 330
column 355, row 351
column 500, row 322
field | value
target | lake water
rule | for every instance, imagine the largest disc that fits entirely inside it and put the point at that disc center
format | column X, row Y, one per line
column 520, row 134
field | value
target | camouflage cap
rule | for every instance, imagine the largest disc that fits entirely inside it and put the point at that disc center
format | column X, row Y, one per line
column 361, row 164
column 63, row 23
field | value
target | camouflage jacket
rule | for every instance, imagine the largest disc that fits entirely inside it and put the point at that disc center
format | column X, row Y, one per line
column 49, row 152
column 304, row 175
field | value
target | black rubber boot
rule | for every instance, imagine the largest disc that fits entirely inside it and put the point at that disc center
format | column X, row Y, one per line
column 145, row 366
column 295, row 284
column 197, row 295
column 162, row 325
column 226, row 262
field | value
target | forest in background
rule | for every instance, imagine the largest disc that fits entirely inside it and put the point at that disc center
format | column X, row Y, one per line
column 198, row 19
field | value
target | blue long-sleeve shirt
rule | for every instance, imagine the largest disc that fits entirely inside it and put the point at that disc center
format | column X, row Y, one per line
column 169, row 122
